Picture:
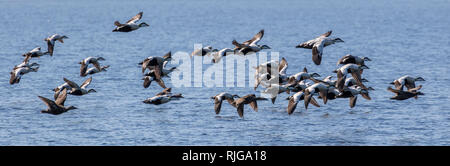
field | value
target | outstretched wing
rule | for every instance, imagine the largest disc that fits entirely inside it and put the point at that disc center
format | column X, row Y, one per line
column 255, row 38
column 72, row 84
column 254, row 105
column 217, row 105
column 317, row 52
column 283, row 66
column 61, row 97
column 86, row 82
column 50, row 104
column 135, row 18
column 326, row 34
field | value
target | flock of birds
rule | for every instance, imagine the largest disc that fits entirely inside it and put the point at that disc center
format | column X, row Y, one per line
column 271, row 75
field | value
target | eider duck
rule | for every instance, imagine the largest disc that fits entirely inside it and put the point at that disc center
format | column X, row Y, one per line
column 90, row 60
column 217, row 56
column 218, row 99
column 25, row 63
column 302, row 76
column 51, row 42
column 275, row 89
column 60, row 88
column 294, row 99
column 248, row 99
column 251, row 45
column 318, row 44
column 162, row 97
column 352, row 69
column 347, row 59
column 272, row 78
column 408, row 81
column 79, row 90
column 94, row 70
column 17, row 73
column 203, row 51
column 156, row 64
column 403, row 95
column 317, row 88
column 56, row 107
column 130, row 25
column 36, row 52
column 151, row 76
column 352, row 93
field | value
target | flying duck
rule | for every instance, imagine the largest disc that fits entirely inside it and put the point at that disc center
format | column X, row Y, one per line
column 352, row 93
column 347, row 59
column 51, row 42
column 219, row 98
column 60, row 88
column 203, row 51
column 90, row 60
column 25, row 63
column 56, row 107
column 302, row 76
column 151, row 76
column 156, row 64
column 217, row 56
column 275, row 89
column 408, row 81
column 36, row 52
column 272, row 78
column 251, row 45
column 352, row 69
column 318, row 44
column 17, row 73
column 94, row 70
column 248, row 99
column 403, row 95
column 163, row 97
column 130, row 25
column 79, row 90
column 294, row 99
column 319, row 88
column 351, row 81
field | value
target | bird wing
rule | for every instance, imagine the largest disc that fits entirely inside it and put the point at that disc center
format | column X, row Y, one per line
column 291, row 106
column 415, row 89
column 136, row 18
column 61, row 97
column 50, row 104
column 86, row 82
column 50, row 47
column 240, row 110
column 353, row 101
column 255, row 38
column 282, row 67
column 326, row 34
column 72, row 84
column 160, row 83
column 217, row 105
column 254, row 105
column 343, row 59
column 317, row 52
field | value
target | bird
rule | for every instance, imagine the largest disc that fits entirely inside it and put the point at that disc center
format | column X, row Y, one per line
column 278, row 77
column 351, row 81
column 347, row 59
column 79, row 90
column 156, row 64
column 302, row 76
column 36, row 52
column 90, row 60
column 56, row 107
column 403, row 95
column 408, row 81
column 131, row 24
column 294, row 99
column 203, row 51
column 275, row 89
column 352, row 69
column 162, row 97
column 60, row 88
column 17, row 73
column 248, row 99
column 217, row 56
column 352, row 93
column 25, row 63
column 318, row 44
column 219, row 98
column 317, row 88
column 51, row 42
column 94, row 70
column 251, row 45
column 151, row 76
